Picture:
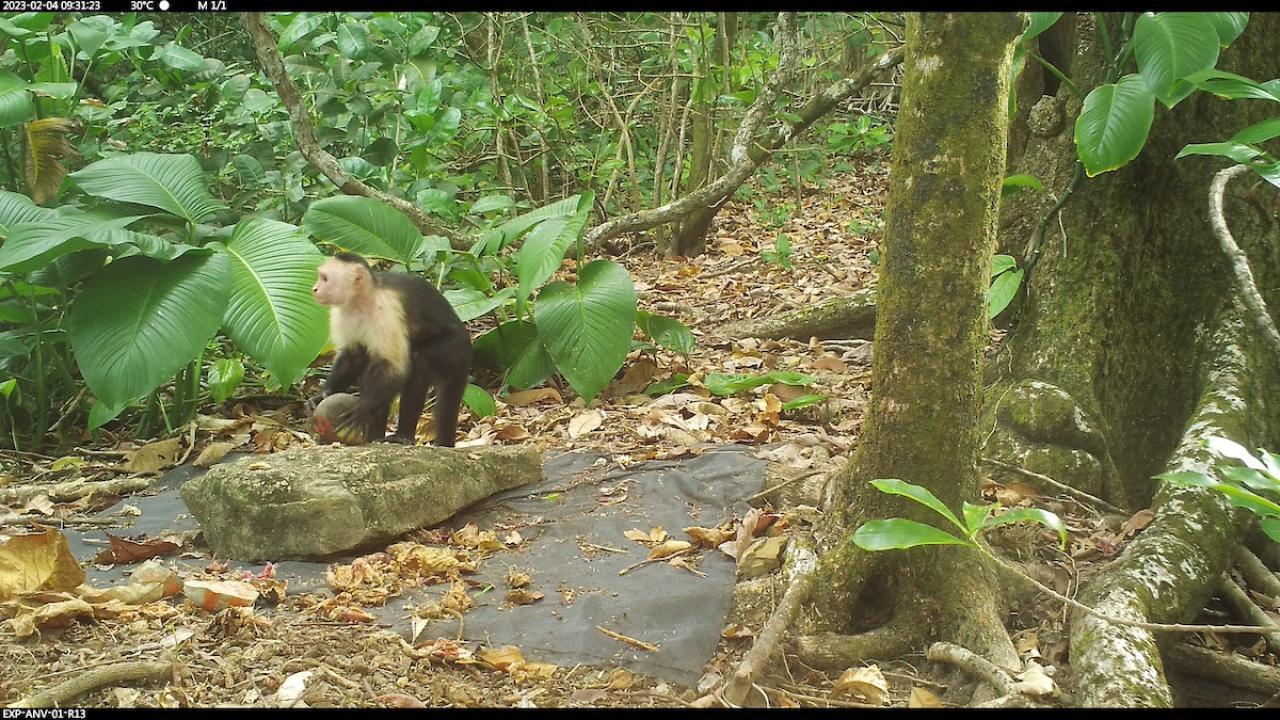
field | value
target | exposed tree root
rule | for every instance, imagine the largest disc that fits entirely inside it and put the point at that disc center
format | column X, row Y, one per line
column 973, row 664
column 1168, row 571
column 94, row 678
column 835, row 651
column 1256, row 573
column 1225, row 668
column 852, row 316
column 1247, row 610
column 803, row 563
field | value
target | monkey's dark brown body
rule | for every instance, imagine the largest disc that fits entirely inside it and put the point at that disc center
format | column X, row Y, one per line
column 378, row 314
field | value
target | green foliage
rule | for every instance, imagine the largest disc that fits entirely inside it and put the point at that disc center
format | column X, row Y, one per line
column 731, row 384
column 270, row 314
column 138, row 321
column 667, row 332
column 1175, row 54
column 780, row 255
column 586, row 328
column 1113, row 126
column 225, row 375
column 1254, row 487
column 900, row 533
column 479, row 402
column 365, row 226
column 867, row 134
column 1014, row 184
column 1006, row 278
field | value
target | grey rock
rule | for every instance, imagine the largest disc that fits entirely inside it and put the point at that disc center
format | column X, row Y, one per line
column 313, row 502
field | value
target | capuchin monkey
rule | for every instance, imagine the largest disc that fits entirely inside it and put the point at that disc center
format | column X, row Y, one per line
column 396, row 335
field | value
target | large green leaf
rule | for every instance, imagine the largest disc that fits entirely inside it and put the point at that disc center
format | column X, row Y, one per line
column 179, row 58
column 16, row 106
column 1232, row 86
column 353, row 42
column 33, row 245
column 900, row 534
column 366, row 226
column 271, row 314
column 303, row 24
column 1259, row 132
column 504, row 234
column 587, row 328
column 1113, row 126
column 173, row 183
column 1229, row 25
column 918, row 493
column 1171, row 46
column 16, row 208
column 1040, row 21
column 471, row 304
column 138, row 321
column 1239, row 152
column 544, row 247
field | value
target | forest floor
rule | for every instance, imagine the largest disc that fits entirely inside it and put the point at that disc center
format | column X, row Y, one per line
column 237, row 658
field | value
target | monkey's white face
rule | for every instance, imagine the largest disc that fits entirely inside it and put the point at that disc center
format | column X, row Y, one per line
column 338, row 283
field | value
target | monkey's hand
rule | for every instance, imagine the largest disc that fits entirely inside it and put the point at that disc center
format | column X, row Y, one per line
column 314, row 402
column 351, row 425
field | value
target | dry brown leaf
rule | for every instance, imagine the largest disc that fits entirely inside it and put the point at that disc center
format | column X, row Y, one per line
column 50, row 615
column 668, row 548
column 38, row 505
column 1137, row 522
column 587, row 696
column 530, row 397
column 517, row 579
column 219, row 595
column 584, row 423
column 500, row 658
column 621, row 679
column 153, row 457
column 830, row 363
column 922, row 698
column 41, row 561
column 736, row 631
column 212, row 453
column 637, row 377
column 398, row 700
column 512, row 433
column 709, row 537
column 865, row 683
column 786, row 393
column 523, row 596
column 127, row 552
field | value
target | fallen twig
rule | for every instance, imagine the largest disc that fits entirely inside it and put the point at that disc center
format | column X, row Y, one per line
column 94, row 678
column 638, row 644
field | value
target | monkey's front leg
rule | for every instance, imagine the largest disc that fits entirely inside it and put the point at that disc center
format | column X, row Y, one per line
column 348, row 366
column 378, row 387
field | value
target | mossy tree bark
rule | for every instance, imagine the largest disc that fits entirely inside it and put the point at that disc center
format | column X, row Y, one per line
column 1130, row 349
column 948, row 160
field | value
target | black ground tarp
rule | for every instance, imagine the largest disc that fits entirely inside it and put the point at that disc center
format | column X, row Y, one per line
column 583, row 501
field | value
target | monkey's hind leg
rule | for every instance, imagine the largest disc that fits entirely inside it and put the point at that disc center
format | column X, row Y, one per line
column 412, row 398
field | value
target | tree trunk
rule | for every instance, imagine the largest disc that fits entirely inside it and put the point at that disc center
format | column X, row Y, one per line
column 948, row 160
column 1130, row 349
column 690, row 237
